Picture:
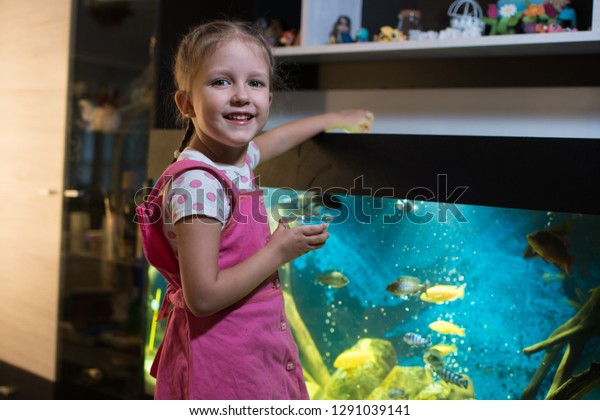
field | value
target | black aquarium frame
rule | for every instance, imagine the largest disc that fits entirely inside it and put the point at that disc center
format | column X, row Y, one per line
column 550, row 174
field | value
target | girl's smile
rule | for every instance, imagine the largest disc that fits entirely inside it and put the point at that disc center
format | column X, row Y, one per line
column 240, row 119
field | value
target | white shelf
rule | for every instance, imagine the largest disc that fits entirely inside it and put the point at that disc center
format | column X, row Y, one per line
column 582, row 42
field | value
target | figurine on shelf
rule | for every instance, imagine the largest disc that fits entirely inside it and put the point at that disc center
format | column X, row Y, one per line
column 466, row 17
column 341, row 31
column 272, row 30
column 409, row 21
column 532, row 16
column 548, row 17
column 362, row 35
column 566, row 17
column 387, row 34
column 288, row 38
column 502, row 19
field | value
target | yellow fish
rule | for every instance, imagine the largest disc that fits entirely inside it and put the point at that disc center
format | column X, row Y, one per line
column 352, row 358
column 441, row 293
column 444, row 349
column 445, row 327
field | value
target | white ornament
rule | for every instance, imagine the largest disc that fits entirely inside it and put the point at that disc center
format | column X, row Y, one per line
column 465, row 15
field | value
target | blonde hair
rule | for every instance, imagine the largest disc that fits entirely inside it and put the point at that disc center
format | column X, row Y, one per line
column 201, row 42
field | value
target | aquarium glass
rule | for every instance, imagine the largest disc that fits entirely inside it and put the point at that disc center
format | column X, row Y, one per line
column 366, row 308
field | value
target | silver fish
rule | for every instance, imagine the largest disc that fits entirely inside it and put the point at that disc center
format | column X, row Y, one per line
column 397, row 394
column 406, row 285
column 333, row 278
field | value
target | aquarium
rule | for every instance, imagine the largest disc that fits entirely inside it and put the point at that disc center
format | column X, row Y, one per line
column 415, row 298
column 500, row 296
column 454, row 296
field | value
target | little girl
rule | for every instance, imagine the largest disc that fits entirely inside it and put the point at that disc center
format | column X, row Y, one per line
column 204, row 226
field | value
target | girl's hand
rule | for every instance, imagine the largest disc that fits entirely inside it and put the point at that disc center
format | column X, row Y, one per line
column 354, row 120
column 293, row 242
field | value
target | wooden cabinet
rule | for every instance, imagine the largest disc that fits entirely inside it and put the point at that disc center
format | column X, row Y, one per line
column 34, row 47
column 102, row 296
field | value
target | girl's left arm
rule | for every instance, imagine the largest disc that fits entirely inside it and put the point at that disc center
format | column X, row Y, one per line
column 280, row 139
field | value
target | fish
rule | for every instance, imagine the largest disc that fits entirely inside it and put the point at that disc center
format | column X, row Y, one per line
column 334, row 279
column 350, row 359
column 552, row 248
column 406, row 285
column 396, row 394
column 452, row 377
column 445, row 327
column 442, row 293
column 416, row 340
column 434, row 359
column 444, row 349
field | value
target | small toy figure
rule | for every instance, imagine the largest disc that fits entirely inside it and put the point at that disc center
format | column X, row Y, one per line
column 362, row 35
column 288, row 38
column 341, row 31
column 553, row 27
column 387, row 33
column 272, row 30
column 567, row 18
column 409, row 20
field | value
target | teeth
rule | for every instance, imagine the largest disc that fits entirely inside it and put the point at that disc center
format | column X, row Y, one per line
column 239, row 117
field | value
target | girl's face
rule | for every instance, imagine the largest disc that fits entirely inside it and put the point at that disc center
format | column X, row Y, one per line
column 230, row 95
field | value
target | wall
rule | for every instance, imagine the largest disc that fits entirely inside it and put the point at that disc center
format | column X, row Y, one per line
column 34, row 50
column 569, row 112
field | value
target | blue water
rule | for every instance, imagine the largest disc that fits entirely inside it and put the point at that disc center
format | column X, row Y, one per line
column 510, row 302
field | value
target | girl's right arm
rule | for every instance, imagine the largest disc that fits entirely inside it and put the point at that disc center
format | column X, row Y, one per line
column 280, row 139
column 207, row 289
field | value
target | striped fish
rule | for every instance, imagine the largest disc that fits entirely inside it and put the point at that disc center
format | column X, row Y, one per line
column 452, row 377
column 416, row 340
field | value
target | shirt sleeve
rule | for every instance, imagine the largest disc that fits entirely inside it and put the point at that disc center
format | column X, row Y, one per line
column 253, row 155
column 197, row 192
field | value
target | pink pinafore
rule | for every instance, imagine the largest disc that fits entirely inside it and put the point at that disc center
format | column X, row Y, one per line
column 244, row 352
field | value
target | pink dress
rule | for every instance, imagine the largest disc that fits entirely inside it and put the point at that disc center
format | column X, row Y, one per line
column 244, row 352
